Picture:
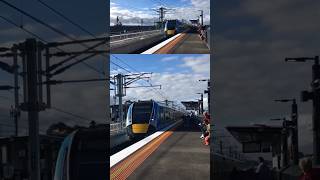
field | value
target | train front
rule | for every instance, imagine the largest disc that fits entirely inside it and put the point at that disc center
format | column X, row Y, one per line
column 171, row 28
column 139, row 119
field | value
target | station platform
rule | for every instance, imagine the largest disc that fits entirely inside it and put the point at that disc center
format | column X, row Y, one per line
column 190, row 43
column 178, row 153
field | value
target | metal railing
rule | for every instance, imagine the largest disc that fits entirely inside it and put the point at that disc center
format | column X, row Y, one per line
column 205, row 36
column 117, row 127
column 134, row 35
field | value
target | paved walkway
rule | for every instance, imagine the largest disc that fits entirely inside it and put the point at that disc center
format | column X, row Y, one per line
column 181, row 156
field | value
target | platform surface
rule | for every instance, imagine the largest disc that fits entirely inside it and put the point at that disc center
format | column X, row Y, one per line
column 181, row 156
column 191, row 44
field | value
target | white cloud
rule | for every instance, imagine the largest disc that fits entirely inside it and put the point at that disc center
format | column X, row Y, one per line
column 200, row 64
column 174, row 86
column 129, row 16
column 170, row 58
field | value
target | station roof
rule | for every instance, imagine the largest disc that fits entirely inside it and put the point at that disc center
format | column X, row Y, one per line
column 191, row 105
column 256, row 133
column 194, row 21
column 257, row 138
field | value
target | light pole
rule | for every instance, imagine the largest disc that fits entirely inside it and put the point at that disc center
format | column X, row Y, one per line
column 313, row 95
column 284, row 141
column 207, row 92
column 201, row 16
column 294, row 129
column 201, row 104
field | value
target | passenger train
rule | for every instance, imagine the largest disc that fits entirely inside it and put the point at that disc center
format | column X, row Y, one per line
column 173, row 27
column 82, row 155
column 146, row 117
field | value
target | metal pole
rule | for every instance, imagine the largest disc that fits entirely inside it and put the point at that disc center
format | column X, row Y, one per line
column 39, row 71
column 295, row 144
column 209, row 107
column 316, row 110
column 32, row 108
column 201, row 18
column 201, row 103
column 199, row 106
column 48, row 88
column 120, row 94
column 284, row 149
column 16, row 90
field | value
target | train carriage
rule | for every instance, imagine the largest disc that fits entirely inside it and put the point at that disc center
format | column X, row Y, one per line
column 82, row 155
column 146, row 117
column 172, row 27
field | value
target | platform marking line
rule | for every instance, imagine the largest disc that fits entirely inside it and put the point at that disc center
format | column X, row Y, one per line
column 145, row 155
column 159, row 46
column 167, row 48
column 121, row 155
column 125, row 168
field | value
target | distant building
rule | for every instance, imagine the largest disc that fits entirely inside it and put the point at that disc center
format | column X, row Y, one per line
column 14, row 157
column 114, row 109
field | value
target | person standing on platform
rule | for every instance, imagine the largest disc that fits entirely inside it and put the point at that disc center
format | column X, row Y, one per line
column 262, row 171
column 206, row 122
column 309, row 173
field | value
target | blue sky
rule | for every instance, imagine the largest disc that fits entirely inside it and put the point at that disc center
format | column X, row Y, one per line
column 131, row 13
column 141, row 4
column 177, row 74
column 154, row 63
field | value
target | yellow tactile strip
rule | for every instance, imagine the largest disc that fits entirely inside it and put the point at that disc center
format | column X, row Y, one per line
column 123, row 169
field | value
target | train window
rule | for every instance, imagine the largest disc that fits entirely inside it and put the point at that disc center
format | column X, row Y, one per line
column 171, row 24
column 141, row 112
column 88, row 156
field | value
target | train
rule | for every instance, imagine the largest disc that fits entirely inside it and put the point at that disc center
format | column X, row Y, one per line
column 146, row 117
column 173, row 27
column 82, row 155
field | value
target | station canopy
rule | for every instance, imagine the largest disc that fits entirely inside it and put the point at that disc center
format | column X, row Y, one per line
column 194, row 21
column 191, row 105
column 257, row 138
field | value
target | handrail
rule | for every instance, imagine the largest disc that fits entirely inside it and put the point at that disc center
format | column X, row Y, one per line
column 136, row 33
column 115, row 127
column 131, row 35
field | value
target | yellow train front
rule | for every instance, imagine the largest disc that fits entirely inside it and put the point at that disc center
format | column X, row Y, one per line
column 146, row 117
column 171, row 27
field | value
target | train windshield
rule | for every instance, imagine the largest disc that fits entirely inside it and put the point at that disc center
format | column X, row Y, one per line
column 171, row 24
column 88, row 156
column 141, row 112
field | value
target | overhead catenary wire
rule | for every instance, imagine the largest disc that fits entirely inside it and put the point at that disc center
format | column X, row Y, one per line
column 78, row 26
column 68, row 20
column 41, row 39
column 134, row 69
column 72, row 114
column 79, row 118
column 42, row 23
column 24, row 29
column 65, row 17
column 74, row 81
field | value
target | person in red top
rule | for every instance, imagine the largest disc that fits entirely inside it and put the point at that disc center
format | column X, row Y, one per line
column 309, row 173
column 206, row 121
